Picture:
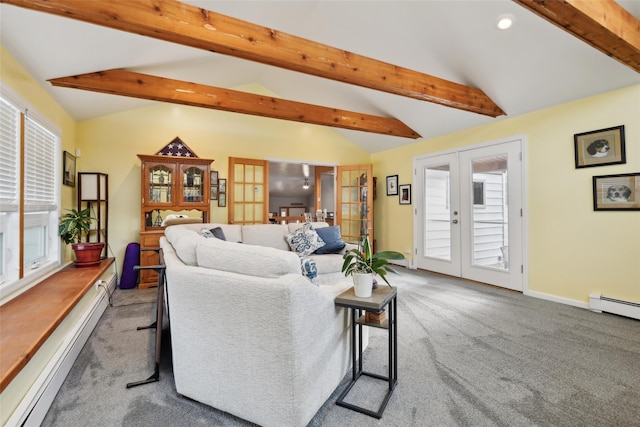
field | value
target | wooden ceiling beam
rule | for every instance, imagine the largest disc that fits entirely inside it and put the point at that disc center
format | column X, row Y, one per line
column 188, row 25
column 603, row 24
column 144, row 86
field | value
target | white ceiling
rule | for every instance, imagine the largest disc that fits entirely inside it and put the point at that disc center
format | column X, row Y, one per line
column 531, row 66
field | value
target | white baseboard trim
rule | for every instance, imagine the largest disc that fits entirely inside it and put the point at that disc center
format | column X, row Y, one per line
column 36, row 403
column 555, row 298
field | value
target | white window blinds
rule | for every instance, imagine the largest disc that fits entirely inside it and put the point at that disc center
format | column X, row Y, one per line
column 9, row 143
column 39, row 168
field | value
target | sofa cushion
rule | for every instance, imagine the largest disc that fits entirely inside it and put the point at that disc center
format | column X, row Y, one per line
column 327, row 263
column 184, row 242
column 305, row 240
column 332, row 239
column 270, row 235
column 245, row 259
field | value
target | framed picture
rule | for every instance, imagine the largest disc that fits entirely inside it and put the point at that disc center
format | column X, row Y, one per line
column 405, row 194
column 616, row 192
column 600, row 147
column 214, row 192
column 69, row 169
column 222, row 185
column 222, row 200
column 392, row 185
column 214, row 177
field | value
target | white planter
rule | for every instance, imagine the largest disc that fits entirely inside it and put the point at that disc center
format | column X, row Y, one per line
column 362, row 284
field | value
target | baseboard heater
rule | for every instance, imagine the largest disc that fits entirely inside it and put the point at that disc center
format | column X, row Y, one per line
column 34, row 406
column 600, row 303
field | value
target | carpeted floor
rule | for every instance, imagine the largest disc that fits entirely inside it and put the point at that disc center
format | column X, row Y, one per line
column 469, row 355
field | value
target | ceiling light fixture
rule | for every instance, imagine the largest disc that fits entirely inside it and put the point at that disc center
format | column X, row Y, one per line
column 505, row 21
column 306, row 184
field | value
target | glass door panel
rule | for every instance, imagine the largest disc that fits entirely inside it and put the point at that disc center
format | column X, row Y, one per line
column 490, row 213
column 437, row 215
column 193, row 184
column 355, row 207
column 160, row 189
column 248, row 184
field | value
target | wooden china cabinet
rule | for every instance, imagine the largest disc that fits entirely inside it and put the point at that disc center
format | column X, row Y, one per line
column 171, row 185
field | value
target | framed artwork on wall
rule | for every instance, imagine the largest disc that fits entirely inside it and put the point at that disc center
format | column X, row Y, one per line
column 392, row 185
column 69, row 169
column 214, row 177
column 616, row 192
column 222, row 200
column 405, row 194
column 222, row 185
column 214, row 192
column 600, row 147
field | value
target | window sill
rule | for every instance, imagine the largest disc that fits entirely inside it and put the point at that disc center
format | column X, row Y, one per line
column 30, row 318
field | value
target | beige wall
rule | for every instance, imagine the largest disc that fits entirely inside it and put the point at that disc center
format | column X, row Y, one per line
column 572, row 250
column 109, row 144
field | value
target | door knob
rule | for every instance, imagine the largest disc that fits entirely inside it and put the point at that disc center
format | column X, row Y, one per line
column 455, row 221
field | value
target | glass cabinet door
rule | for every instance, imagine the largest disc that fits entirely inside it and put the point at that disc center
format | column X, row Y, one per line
column 193, row 184
column 160, row 185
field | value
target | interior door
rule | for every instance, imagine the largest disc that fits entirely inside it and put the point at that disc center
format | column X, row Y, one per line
column 354, row 202
column 248, row 191
column 469, row 221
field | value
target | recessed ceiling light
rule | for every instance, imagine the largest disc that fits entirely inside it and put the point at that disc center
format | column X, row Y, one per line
column 504, row 22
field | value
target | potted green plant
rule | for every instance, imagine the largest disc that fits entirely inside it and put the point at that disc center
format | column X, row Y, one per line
column 73, row 225
column 362, row 264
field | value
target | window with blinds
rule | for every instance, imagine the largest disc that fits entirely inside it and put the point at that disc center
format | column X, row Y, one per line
column 29, row 195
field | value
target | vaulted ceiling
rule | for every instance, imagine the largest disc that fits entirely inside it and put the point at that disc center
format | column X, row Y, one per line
column 533, row 65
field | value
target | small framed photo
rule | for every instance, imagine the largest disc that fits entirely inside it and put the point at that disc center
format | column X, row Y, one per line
column 616, row 192
column 69, row 169
column 214, row 193
column 222, row 200
column 405, row 194
column 600, row 147
column 214, row 178
column 222, row 185
column 392, row 185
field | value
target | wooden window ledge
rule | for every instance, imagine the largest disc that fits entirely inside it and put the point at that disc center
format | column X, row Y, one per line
column 29, row 319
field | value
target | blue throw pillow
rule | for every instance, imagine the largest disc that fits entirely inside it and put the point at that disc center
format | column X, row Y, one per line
column 332, row 239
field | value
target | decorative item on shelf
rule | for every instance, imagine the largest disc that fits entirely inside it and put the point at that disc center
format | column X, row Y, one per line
column 73, row 225
column 362, row 264
column 373, row 317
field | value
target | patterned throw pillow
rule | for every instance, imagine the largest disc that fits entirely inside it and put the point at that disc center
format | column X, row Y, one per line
column 304, row 241
column 309, row 269
column 214, row 232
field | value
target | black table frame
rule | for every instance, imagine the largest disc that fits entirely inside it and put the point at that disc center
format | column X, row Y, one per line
column 383, row 296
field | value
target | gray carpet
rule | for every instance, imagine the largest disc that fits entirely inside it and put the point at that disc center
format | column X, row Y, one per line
column 469, row 355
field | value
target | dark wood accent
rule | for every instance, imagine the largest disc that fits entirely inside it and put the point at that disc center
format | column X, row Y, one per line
column 602, row 24
column 29, row 319
column 137, row 85
column 192, row 26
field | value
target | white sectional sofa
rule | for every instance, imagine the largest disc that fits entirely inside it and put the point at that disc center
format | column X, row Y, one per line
column 251, row 335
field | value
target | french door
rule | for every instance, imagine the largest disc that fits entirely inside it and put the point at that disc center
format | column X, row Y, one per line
column 469, row 214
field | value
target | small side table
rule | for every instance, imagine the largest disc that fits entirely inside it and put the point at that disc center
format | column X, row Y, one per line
column 381, row 297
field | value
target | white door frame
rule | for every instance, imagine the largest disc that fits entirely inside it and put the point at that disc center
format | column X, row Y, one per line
column 525, row 228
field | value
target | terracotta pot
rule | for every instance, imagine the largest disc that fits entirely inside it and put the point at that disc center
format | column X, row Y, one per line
column 88, row 253
column 362, row 284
